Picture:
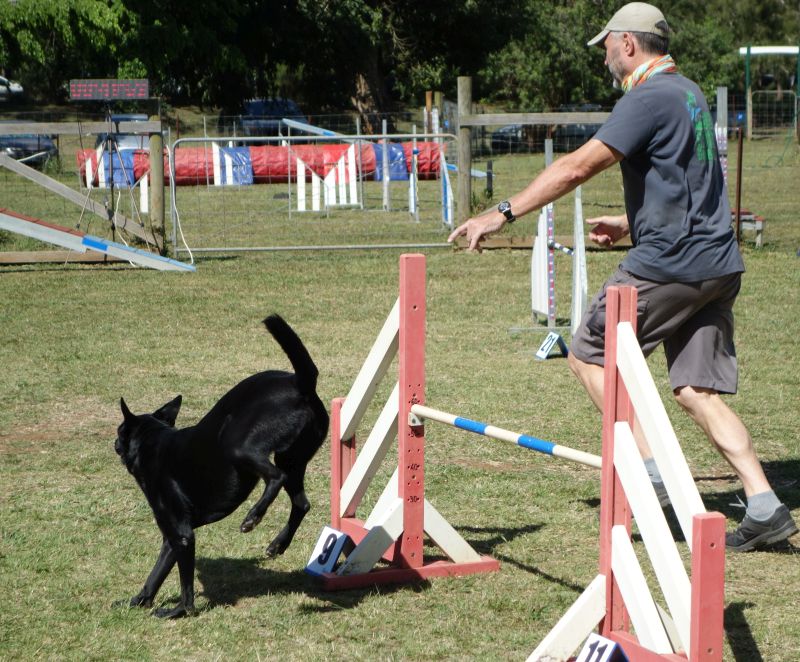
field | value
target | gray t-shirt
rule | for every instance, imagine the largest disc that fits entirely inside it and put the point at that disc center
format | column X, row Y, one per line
column 675, row 196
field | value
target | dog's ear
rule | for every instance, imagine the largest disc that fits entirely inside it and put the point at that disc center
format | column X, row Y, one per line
column 126, row 413
column 169, row 412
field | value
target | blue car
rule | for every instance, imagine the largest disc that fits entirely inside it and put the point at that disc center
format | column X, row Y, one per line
column 261, row 117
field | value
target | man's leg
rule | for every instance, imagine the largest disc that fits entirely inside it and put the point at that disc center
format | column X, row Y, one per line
column 593, row 380
column 767, row 520
column 727, row 432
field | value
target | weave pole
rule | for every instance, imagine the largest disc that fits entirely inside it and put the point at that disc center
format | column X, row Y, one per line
column 526, row 441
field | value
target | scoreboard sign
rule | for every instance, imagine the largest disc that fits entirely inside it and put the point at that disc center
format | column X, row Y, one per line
column 108, row 89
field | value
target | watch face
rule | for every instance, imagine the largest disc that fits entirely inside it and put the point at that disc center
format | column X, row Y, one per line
column 505, row 209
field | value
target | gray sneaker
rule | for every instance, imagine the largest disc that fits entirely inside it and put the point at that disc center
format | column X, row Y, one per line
column 752, row 533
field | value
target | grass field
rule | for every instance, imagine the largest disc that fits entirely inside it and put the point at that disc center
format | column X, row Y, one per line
column 77, row 534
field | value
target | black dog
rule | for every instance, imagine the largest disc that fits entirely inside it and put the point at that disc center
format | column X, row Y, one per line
column 203, row 473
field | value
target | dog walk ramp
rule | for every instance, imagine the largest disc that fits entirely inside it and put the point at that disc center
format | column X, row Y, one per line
column 81, row 242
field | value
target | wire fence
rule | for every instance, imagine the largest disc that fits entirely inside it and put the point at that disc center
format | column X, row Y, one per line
column 774, row 112
column 280, row 193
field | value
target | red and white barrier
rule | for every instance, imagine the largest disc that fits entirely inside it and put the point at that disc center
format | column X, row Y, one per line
column 619, row 596
column 402, row 516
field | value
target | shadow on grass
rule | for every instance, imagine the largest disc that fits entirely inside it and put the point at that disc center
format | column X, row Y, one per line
column 740, row 637
column 501, row 536
column 226, row 581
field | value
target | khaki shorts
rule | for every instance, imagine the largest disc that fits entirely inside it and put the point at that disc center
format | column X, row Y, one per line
column 693, row 320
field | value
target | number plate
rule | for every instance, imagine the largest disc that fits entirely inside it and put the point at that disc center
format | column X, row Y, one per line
column 600, row 649
column 330, row 546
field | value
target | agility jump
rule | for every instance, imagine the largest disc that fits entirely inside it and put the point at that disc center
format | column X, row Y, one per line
column 619, row 599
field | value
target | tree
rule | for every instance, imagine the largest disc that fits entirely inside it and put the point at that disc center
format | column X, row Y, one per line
column 47, row 42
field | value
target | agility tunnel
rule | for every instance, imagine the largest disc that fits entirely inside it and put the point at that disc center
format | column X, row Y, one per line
column 220, row 164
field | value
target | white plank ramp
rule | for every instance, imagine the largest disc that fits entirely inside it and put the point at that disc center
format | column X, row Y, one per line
column 372, row 454
column 539, row 301
column 447, row 538
column 80, row 199
column 580, row 286
column 80, row 242
column 383, row 533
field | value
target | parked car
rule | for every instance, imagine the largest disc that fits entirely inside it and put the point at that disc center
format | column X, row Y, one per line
column 507, row 138
column 262, row 117
column 568, row 137
column 9, row 90
column 31, row 149
column 125, row 140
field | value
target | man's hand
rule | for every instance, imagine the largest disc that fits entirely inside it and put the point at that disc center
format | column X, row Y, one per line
column 607, row 230
column 477, row 228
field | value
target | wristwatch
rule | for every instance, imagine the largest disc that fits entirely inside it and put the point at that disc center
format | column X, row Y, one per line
column 505, row 209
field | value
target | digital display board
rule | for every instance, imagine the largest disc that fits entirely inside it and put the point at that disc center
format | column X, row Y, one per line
column 108, row 89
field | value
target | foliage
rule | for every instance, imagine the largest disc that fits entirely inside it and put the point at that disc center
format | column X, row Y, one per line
column 366, row 55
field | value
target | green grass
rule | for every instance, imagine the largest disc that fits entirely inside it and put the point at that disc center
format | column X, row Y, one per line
column 76, row 534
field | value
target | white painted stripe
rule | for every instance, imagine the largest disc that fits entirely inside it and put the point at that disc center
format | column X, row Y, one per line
column 588, row 459
column 341, row 175
column 657, row 537
column 351, row 174
column 636, row 595
column 373, row 370
column 330, row 188
column 658, row 430
column 144, row 194
column 228, row 168
column 372, row 454
column 315, row 186
column 215, row 163
column 301, row 184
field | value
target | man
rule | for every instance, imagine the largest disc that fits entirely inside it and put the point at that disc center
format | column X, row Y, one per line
column 685, row 262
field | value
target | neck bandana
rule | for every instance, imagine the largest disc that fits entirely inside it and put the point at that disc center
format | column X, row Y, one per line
column 659, row 65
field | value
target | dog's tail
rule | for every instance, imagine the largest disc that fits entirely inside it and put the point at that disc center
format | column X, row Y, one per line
column 305, row 370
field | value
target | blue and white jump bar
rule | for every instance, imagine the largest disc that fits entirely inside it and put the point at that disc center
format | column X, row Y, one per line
column 531, row 443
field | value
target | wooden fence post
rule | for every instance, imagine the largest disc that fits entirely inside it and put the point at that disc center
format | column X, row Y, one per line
column 464, row 200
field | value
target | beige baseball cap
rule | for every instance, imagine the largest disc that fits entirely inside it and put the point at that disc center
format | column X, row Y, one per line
column 633, row 17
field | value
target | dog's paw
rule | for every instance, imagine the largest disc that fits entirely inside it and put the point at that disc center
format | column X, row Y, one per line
column 177, row 612
column 125, row 604
column 249, row 524
column 275, row 549
column 140, row 601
